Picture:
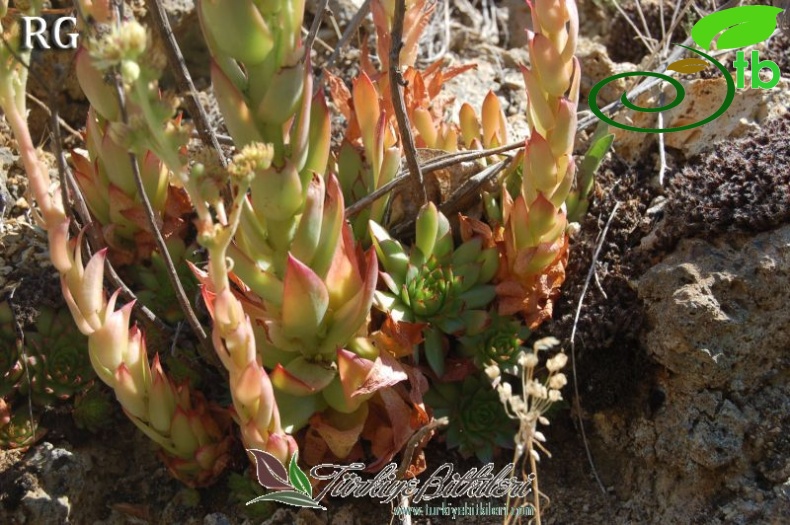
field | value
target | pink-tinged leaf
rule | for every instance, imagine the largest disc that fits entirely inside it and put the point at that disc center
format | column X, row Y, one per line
column 99, row 93
column 82, row 324
column 308, row 233
column 562, row 136
column 289, row 383
column 540, row 168
column 543, row 216
column 155, row 180
column 423, row 121
column 306, row 299
column 550, row 15
column 59, row 246
column 519, row 226
column 300, row 137
column 90, row 297
column 320, row 135
column 344, row 275
column 271, row 473
column 360, row 376
column 247, row 388
column 554, row 77
column 366, row 108
column 470, row 127
column 573, row 33
column 301, row 377
column 280, row 444
column 331, row 227
column 129, row 394
column 541, row 114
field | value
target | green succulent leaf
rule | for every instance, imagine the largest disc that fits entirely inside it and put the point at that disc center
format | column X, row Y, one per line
column 478, row 421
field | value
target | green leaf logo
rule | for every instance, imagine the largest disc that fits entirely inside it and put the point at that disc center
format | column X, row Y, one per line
column 298, row 478
column 289, row 497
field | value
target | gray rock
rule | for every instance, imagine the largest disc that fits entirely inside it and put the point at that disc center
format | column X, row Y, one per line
column 59, row 476
column 217, row 518
column 716, row 451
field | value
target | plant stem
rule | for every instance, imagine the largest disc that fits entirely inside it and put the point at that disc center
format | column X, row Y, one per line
column 396, row 81
column 184, row 80
column 172, row 275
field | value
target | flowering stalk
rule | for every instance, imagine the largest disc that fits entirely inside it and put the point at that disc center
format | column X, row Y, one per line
column 255, row 407
column 532, row 236
column 191, row 436
column 529, row 407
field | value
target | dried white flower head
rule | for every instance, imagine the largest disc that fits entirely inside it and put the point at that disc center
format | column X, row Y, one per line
column 555, row 395
column 493, row 372
column 536, row 389
column 557, row 362
column 558, row 381
column 528, row 360
column 547, row 343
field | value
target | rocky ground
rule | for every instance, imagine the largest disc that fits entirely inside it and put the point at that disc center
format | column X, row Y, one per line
column 682, row 348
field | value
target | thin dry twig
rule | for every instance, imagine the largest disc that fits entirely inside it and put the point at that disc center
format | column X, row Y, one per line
column 450, row 206
column 352, row 28
column 414, row 441
column 408, row 456
column 65, row 125
column 577, row 404
column 184, row 80
column 438, row 163
column 396, row 81
column 319, row 15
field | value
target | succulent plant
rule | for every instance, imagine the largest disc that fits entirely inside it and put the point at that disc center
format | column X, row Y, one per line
column 20, row 431
column 444, row 288
column 93, row 409
column 58, row 358
column 499, row 342
column 477, row 419
column 531, row 226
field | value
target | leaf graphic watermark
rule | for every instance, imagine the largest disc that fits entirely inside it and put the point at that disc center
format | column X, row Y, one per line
column 289, row 497
column 271, row 473
column 298, row 478
column 291, row 486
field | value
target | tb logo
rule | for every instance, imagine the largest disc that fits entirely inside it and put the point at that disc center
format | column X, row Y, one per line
column 739, row 27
